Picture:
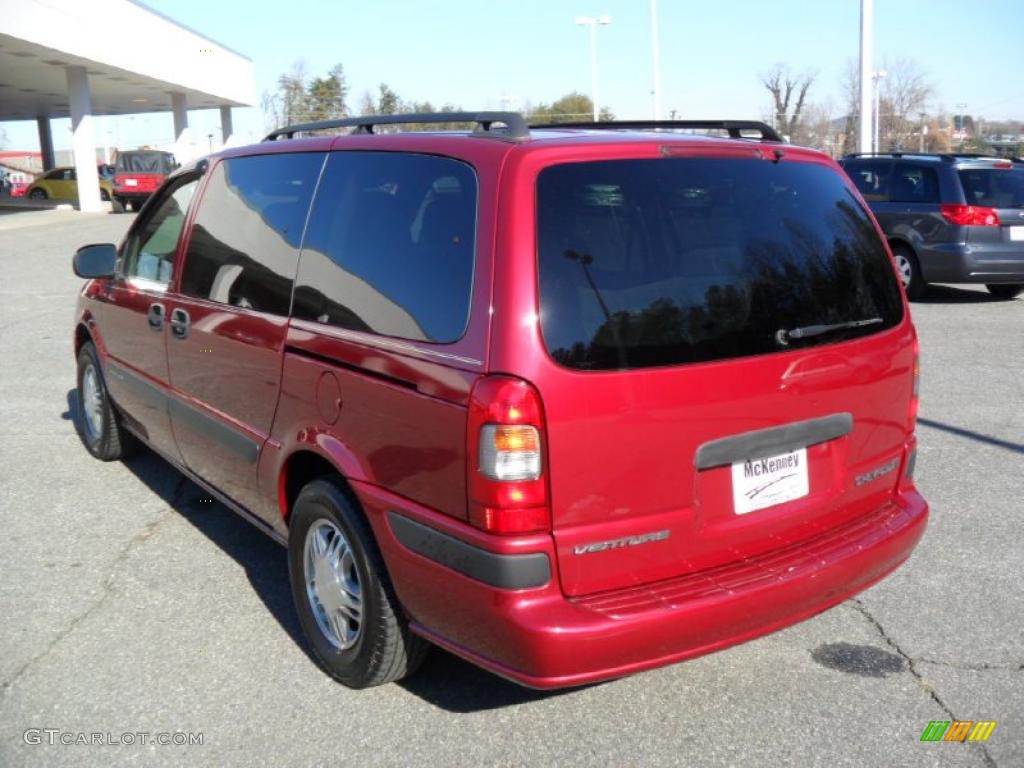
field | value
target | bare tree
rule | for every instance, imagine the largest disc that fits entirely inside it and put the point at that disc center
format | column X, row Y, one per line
column 789, row 96
column 818, row 129
column 288, row 104
column 849, row 84
column 905, row 91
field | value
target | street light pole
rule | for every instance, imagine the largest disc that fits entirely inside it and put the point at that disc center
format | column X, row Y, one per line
column 864, row 142
column 592, row 22
column 656, row 59
column 877, row 78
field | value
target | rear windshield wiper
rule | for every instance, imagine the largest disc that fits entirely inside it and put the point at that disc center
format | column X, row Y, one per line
column 784, row 335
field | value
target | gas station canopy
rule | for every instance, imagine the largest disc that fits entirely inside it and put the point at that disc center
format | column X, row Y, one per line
column 67, row 58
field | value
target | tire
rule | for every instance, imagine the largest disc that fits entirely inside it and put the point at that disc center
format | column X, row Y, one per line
column 1006, row 291
column 99, row 425
column 909, row 270
column 104, row 195
column 38, row 194
column 368, row 642
column 119, row 205
column 134, row 205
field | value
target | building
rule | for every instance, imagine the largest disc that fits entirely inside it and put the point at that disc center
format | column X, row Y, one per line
column 67, row 58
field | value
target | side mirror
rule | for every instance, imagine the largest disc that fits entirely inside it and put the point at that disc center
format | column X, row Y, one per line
column 95, row 261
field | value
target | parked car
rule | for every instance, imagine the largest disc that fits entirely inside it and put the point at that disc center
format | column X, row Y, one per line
column 62, row 184
column 18, row 182
column 138, row 174
column 571, row 403
column 948, row 218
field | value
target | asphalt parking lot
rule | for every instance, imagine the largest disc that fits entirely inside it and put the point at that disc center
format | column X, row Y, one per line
column 131, row 603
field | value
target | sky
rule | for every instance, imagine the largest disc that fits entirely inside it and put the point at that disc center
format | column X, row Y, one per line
column 479, row 54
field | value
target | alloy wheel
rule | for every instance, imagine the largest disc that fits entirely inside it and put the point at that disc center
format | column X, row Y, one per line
column 905, row 268
column 92, row 402
column 332, row 584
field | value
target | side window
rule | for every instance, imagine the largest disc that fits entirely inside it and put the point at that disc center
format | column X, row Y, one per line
column 390, row 246
column 914, row 184
column 871, row 179
column 244, row 244
column 149, row 251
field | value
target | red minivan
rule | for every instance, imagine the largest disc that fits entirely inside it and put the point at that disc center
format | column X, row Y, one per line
column 569, row 401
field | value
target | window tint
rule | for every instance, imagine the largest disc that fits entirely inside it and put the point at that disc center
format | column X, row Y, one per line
column 994, row 187
column 661, row 262
column 245, row 241
column 871, row 179
column 145, row 162
column 390, row 246
column 149, row 251
column 914, row 184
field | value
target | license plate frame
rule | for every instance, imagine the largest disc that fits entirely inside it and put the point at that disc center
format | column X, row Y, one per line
column 769, row 481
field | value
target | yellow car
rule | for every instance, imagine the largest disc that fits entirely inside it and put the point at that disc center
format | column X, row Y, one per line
column 62, row 184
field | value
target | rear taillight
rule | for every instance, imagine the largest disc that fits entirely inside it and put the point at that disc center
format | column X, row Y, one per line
column 505, row 446
column 915, row 394
column 970, row 215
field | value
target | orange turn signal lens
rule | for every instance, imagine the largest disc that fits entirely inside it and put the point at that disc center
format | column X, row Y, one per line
column 510, row 452
column 515, row 439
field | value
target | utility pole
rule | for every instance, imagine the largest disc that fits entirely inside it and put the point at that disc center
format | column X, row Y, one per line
column 924, row 131
column 656, row 59
column 592, row 22
column 866, row 55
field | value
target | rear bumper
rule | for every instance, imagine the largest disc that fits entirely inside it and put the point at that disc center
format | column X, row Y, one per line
column 539, row 638
column 131, row 193
column 973, row 262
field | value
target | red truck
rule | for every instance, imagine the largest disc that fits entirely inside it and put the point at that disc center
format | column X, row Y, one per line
column 568, row 401
column 138, row 174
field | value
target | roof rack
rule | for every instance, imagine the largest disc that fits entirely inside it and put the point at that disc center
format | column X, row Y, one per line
column 982, row 156
column 486, row 123
column 948, row 157
column 734, row 128
column 940, row 155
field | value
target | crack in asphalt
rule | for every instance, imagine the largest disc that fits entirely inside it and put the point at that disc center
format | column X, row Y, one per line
column 105, row 588
column 983, row 667
column 912, row 667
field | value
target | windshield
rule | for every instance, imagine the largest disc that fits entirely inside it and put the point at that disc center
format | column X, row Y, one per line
column 993, row 187
column 662, row 262
column 145, row 162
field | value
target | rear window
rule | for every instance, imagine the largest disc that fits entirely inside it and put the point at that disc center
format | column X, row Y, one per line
column 661, row 262
column 145, row 162
column 993, row 187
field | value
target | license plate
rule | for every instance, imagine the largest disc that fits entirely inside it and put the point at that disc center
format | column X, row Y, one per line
column 1017, row 233
column 131, row 182
column 760, row 483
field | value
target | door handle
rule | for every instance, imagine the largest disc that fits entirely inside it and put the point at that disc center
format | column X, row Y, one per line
column 179, row 323
column 156, row 316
